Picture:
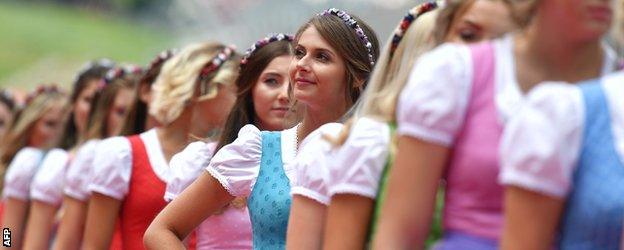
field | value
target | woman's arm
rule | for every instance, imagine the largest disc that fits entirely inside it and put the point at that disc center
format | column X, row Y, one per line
column 100, row 225
column 71, row 228
column 176, row 221
column 14, row 218
column 531, row 219
column 348, row 216
column 407, row 212
column 39, row 226
column 305, row 224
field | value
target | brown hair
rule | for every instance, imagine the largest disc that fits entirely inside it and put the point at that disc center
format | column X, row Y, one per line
column 349, row 46
column 102, row 104
column 95, row 71
column 243, row 112
column 136, row 119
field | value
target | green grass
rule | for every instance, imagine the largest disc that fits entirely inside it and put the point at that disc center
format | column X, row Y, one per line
column 30, row 33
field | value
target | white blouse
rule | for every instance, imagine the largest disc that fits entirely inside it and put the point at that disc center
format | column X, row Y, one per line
column 433, row 104
column 186, row 166
column 113, row 164
column 360, row 162
column 541, row 144
column 20, row 173
column 312, row 163
column 236, row 165
column 47, row 185
column 80, row 170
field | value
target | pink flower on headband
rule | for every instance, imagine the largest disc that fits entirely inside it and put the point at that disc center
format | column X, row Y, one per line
column 263, row 42
column 352, row 23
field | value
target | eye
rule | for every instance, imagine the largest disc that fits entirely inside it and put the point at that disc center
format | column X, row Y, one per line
column 271, row 82
column 468, row 35
column 322, row 57
column 50, row 124
column 120, row 111
column 299, row 53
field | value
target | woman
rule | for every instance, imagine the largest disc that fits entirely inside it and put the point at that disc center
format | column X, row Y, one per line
column 198, row 79
column 334, row 54
column 455, row 138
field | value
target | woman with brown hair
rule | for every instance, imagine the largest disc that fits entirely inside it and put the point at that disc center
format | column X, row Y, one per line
column 46, row 190
column 110, row 104
column 131, row 173
column 262, row 100
column 7, row 111
column 334, row 53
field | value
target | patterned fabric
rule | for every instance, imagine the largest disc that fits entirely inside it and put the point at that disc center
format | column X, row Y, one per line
column 595, row 208
column 269, row 202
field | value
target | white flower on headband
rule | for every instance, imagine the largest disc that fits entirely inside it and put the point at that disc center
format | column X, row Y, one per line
column 352, row 23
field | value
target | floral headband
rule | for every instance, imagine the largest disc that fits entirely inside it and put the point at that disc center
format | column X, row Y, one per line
column 407, row 21
column 264, row 41
column 102, row 62
column 42, row 89
column 211, row 67
column 162, row 56
column 350, row 21
column 118, row 72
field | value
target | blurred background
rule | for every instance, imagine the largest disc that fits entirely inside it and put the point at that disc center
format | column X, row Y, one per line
column 44, row 41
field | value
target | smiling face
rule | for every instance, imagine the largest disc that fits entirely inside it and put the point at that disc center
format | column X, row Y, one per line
column 480, row 20
column 318, row 72
column 270, row 94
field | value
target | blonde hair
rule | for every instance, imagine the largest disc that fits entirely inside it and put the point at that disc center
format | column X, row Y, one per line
column 19, row 132
column 392, row 71
column 177, row 82
column 617, row 29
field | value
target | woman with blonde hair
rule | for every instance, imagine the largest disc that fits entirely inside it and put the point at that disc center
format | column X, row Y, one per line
column 36, row 129
column 454, row 107
column 131, row 173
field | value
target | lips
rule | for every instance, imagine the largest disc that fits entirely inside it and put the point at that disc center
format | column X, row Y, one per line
column 280, row 111
column 301, row 81
column 599, row 12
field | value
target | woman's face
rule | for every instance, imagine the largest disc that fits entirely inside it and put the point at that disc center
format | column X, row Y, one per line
column 585, row 20
column 483, row 20
column 212, row 113
column 270, row 94
column 47, row 129
column 6, row 117
column 82, row 106
column 117, row 113
column 318, row 72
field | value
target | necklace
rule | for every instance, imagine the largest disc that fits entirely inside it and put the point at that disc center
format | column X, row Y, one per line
column 296, row 137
